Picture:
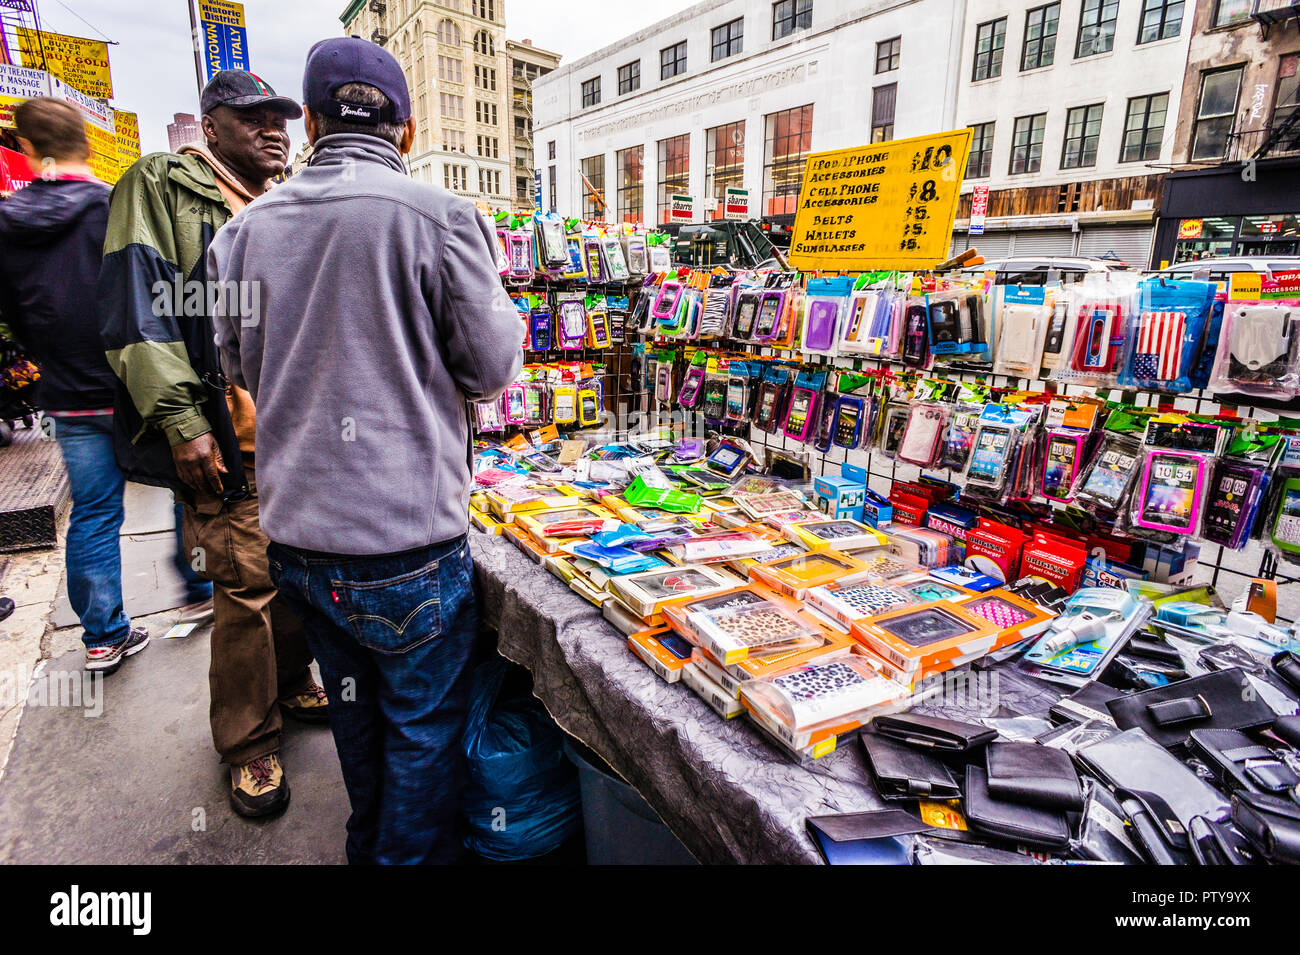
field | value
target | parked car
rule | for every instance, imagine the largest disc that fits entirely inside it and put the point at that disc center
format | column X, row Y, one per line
column 1220, row 267
column 1034, row 269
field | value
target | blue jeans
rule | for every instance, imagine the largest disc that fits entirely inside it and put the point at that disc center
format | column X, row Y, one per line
column 197, row 588
column 394, row 636
column 94, row 549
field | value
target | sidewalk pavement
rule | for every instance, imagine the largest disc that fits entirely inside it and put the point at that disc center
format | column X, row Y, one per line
column 121, row 769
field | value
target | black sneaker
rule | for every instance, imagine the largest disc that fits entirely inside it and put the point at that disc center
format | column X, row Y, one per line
column 259, row 788
column 106, row 660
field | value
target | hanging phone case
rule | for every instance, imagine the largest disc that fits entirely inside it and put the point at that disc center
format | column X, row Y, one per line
column 665, row 304
column 1019, row 336
column 970, row 321
column 540, row 322
column 598, row 328
column 573, row 325
column 1094, row 330
column 821, row 324
column 1170, row 493
column 945, row 324
column 714, row 404
column 515, row 404
column 664, row 383
column 1260, row 343
column 1060, row 464
column 1158, row 346
column 769, row 314
column 825, row 423
column 1230, row 500
column 989, row 456
column 799, row 419
column 746, row 312
column 689, row 395
column 592, row 259
column 737, row 399
column 1285, row 532
column 588, row 408
column 916, row 342
column 519, row 253
column 769, row 394
column 924, row 434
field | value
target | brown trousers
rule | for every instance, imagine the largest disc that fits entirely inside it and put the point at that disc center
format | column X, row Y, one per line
column 259, row 653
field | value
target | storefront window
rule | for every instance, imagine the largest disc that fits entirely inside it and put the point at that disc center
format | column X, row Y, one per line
column 674, row 170
column 724, row 158
column 1238, row 236
column 631, row 180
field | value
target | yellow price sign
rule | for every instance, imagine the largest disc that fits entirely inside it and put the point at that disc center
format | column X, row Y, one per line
column 882, row 206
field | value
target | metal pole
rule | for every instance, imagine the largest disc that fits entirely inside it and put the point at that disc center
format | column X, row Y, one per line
column 197, row 42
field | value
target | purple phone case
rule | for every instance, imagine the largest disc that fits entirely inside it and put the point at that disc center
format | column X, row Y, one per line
column 1197, row 493
column 819, row 332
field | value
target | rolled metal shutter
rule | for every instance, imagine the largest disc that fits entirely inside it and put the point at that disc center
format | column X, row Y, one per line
column 1132, row 243
column 992, row 245
column 1044, row 242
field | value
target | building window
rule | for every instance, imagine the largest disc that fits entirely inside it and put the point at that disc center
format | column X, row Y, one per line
column 1040, row 37
column 451, row 106
column 883, row 101
column 1082, row 130
column 448, row 33
column 1144, row 127
column 593, row 171
column 550, row 151
column 980, row 163
column 1288, row 100
column 485, row 113
column 630, row 164
column 453, row 140
column 1027, row 144
column 449, row 70
column 483, row 44
column 672, row 60
column 629, row 77
column 789, row 16
column 888, row 53
column 1096, row 27
column 485, row 9
column 554, row 199
column 728, row 39
column 485, row 78
column 786, row 146
column 489, row 147
column 1214, row 113
column 1228, row 12
column 990, row 38
column 455, row 178
column 1161, row 19
column 590, row 91
column 724, row 159
column 489, row 182
column 674, row 171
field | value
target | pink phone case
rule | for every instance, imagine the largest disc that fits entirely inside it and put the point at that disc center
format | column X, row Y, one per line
column 808, row 399
column 1054, row 437
column 923, row 436
column 1144, row 492
column 665, row 303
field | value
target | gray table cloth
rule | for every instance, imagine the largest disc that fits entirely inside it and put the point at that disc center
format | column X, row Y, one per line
column 723, row 790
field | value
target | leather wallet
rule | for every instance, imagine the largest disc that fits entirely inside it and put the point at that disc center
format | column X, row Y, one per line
column 1217, row 843
column 905, row 773
column 1272, row 825
column 933, row 732
column 864, row 838
column 1140, row 770
column 1240, row 763
column 1287, row 665
column 1224, row 700
column 1033, row 775
column 1024, row 825
column 1287, row 729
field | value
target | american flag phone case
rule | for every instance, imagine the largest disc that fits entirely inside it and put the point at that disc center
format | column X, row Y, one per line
column 1158, row 346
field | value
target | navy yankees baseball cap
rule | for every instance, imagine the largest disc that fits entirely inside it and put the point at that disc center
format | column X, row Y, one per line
column 341, row 60
column 240, row 89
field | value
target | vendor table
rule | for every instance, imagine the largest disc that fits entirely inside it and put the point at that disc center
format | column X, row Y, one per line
column 723, row 790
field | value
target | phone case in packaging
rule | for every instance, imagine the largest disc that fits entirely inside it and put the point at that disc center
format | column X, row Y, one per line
column 893, row 427
column 638, row 259
column 1284, row 526
column 923, row 439
column 663, row 382
column 824, row 306
column 1165, row 334
column 843, row 691
column 594, row 260
column 916, row 334
column 747, row 302
column 1094, row 348
column 737, row 399
column 1170, row 493
column 1062, row 459
column 589, row 410
column 850, row 412
column 598, row 328
column 550, row 232
column 714, row 401
column 860, row 317
column 1259, row 349
column 1232, row 502
column 1105, row 485
column 827, row 406
column 733, row 634
column 960, row 436
column 768, row 405
column 666, row 301
column 692, row 385
column 802, row 414
column 489, row 416
column 514, row 412
column 519, row 254
column 539, row 323
column 717, row 311
column 771, row 307
column 573, row 325
column 993, row 455
column 1025, row 315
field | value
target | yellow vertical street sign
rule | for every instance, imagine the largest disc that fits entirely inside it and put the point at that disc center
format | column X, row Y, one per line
column 881, row 206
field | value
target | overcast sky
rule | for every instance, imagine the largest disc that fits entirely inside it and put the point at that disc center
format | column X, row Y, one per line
column 153, row 63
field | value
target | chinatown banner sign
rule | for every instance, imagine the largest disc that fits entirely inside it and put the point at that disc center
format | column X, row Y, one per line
column 79, row 62
column 223, row 36
column 126, row 127
column 885, row 205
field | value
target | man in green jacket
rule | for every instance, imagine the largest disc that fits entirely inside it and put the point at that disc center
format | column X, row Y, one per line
column 181, row 425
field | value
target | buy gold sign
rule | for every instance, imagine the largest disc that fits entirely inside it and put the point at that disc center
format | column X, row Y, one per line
column 79, row 62
column 883, row 206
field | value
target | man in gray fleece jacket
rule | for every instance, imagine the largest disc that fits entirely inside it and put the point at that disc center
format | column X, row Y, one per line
column 369, row 308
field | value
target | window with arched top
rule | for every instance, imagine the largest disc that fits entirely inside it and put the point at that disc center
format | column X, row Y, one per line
column 448, row 33
column 483, row 43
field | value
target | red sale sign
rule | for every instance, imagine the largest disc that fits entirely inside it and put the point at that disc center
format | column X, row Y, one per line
column 15, row 171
